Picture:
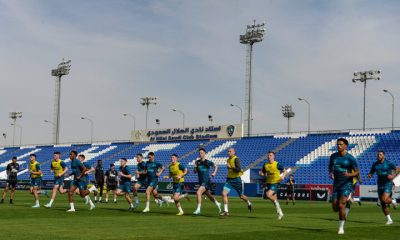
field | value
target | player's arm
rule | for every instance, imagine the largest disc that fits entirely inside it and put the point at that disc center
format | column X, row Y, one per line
column 331, row 167
column 129, row 175
column 184, row 171
column 195, row 167
column 215, row 169
column 393, row 168
column 262, row 172
column 64, row 166
column 38, row 170
column 90, row 170
column 84, row 169
column 282, row 170
column 237, row 167
column 161, row 169
column 352, row 174
column 372, row 171
column 8, row 169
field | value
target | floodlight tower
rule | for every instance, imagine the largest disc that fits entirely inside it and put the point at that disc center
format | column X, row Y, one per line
column 363, row 77
column 14, row 116
column 288, row 113
column 62, row 69
column 254, row 33
column 147, row 101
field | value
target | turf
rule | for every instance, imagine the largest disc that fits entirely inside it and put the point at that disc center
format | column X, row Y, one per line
column 113, row 221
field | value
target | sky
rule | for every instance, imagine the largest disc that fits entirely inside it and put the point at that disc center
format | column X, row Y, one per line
column 187, row 53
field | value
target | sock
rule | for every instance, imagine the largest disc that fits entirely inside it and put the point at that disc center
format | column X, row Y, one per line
column 147, row 204
column 226, row 207
column 137, row 200
column 131, row 205
column 37, row 202
column 51, row 202
column 72, row 205
column 248, row 202
column 180, row 208
column 95, row 198
column 216, row 202
column 394, row 202
column 198, row 207
column 347, row 211
column 278, row 207
column 388, row 217
column 341, row 224
column 106, row 199
column 115, row 199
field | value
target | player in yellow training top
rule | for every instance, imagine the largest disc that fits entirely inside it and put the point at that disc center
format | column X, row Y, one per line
column 59, row 168
column 36, row 178
column 272, row 170
column 177, row 171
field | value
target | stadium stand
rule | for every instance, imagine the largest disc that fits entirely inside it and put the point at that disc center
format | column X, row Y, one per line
column 307, row 154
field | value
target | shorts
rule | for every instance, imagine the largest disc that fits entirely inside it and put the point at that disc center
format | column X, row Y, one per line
column 153, row 183
column 36, row 182
column 12, row 183
column 206, row 185
column 385, row 188
column 59, row 181
column 177, row 188
column 274, row 187
column 234, row 183
column 111, row 187
column 98, row 184
column 142, row 183
column 125, row 187
column 81, row 184
column 342, row 192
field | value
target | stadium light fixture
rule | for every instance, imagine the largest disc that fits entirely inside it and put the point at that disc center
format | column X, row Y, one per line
column 387, row 91
column 210, row 118
column 63, row 69
column 158, row 123
column 363, row 77
column 20, row 132
column 5, row 139
column 134, row 119
column 254, row 34
column 91, row 127
column 183, row 116
column 147, row 101
column 14, row 116
column 309, row 113
column 288, row 113
column 241, row 112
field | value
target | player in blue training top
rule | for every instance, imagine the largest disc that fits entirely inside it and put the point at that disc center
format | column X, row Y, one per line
column 154, row 170
column 125, row 182
column 202, row 168
column 141, row 177
column 342, row 168
column 386, row 171
column 79, row 171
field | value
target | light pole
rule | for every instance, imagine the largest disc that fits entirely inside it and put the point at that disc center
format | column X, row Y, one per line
column 241, row 112
column 158, row 123
column 134, row 119
column 147, row 101
column 183, row 116
column 363, row 77
column 254, row 33
column 20, row 132
column 387, row 91
column 210, row 118
column 62, row 69
column 288, row 113
column 91, row 127
column 14, row 116
column 309, row 113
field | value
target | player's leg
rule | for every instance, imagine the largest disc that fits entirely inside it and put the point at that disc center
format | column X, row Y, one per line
column 101, row 186
column 12, row 193
column 213, row 199
column 385, row 201
column 107, row 193
column 71, row 192
column 95, row 192
column 225, row 192
column 272, row 195
column 84, row 193
column 53, row 195
column 335, row 201
column 129, row 200
column 136, row 188
column 36, row 196
column 199, row 195
column 342, row 211
column 177, row 197
column 293, row 198
column 238, row 186
column 4, row 193
column 149, row 191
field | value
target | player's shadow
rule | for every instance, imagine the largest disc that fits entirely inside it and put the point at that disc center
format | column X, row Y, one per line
column 335, row 220
column 304, row 229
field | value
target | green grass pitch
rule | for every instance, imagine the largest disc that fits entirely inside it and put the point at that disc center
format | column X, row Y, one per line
column 113, row 221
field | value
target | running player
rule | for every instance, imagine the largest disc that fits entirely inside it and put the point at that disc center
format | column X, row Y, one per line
column 154, row 170
column 272, row 170
column 202, row 168
column 125, row 182
column 233, row 181
column 111, row 180
column 59, row 168
column 351, row 199
column 341, row 166
column 141, row 177
column 36, row 178
column 177, row 171
column 99, row 179
column 79, row 181
column 12, row 172
column 290, row 189
column 386, row 171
